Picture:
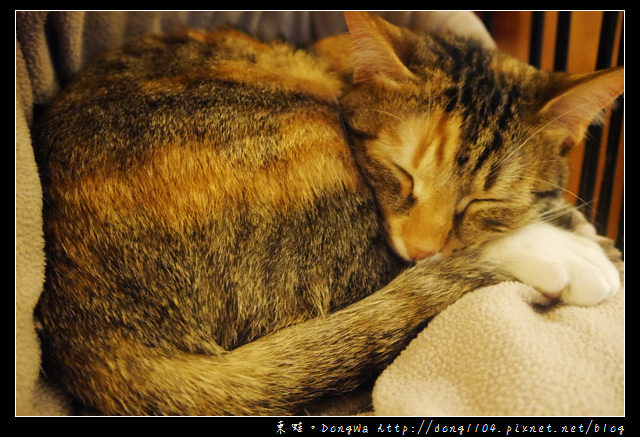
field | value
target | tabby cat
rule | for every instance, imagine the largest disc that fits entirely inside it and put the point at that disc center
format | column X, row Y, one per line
column 238, row 227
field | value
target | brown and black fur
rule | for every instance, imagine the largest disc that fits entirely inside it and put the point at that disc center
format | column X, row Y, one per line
column 217, row 214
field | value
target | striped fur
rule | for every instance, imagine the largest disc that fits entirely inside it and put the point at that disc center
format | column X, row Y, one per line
column 462, row 136
column 218, row 210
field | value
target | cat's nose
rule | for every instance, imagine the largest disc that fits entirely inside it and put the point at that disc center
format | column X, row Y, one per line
column 421, row 254
column 417, row 253
column 411, row 252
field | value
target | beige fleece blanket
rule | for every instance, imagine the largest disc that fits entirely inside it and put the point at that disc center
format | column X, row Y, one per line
column 502, row 351
column 488, row 354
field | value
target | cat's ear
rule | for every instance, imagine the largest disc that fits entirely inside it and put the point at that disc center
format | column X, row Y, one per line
column 578, row 101
column 379, row 47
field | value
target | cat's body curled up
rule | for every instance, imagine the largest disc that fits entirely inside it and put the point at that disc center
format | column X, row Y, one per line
column 232, row 226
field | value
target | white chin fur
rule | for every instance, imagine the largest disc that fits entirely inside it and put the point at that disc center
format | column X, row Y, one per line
column 397, row 244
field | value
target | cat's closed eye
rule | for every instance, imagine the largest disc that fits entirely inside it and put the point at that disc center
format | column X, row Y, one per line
column 470, row 203
column 408, row 185
column 474, row 213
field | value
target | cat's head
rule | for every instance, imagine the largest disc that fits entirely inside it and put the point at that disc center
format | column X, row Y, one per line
column 460, row 143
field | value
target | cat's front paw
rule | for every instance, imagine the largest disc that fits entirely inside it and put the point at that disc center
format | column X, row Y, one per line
column 558, row 263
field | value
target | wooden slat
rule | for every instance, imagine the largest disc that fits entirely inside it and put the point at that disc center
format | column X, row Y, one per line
column 536, row 39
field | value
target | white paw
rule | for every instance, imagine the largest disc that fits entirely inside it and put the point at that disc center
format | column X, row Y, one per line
column 558, row 263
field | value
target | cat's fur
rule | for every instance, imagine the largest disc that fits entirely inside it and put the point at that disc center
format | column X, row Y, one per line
column 231, row 224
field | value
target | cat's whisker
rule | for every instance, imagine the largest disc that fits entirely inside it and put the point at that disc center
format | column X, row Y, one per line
column 559, row 187
column 509, row 155
column 381, row 111
column 552, row 215
column 429, row 110
column 559, row 211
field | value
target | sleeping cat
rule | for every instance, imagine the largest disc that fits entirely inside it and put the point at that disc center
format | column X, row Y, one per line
column 240, row 227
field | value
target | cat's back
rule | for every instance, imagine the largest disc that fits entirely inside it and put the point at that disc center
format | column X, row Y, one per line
column 199, row 193
column 184, row 89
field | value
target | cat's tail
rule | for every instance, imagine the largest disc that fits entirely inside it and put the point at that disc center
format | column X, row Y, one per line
column 283, row 371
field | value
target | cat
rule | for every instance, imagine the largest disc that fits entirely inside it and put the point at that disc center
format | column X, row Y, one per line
column 235, row 227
